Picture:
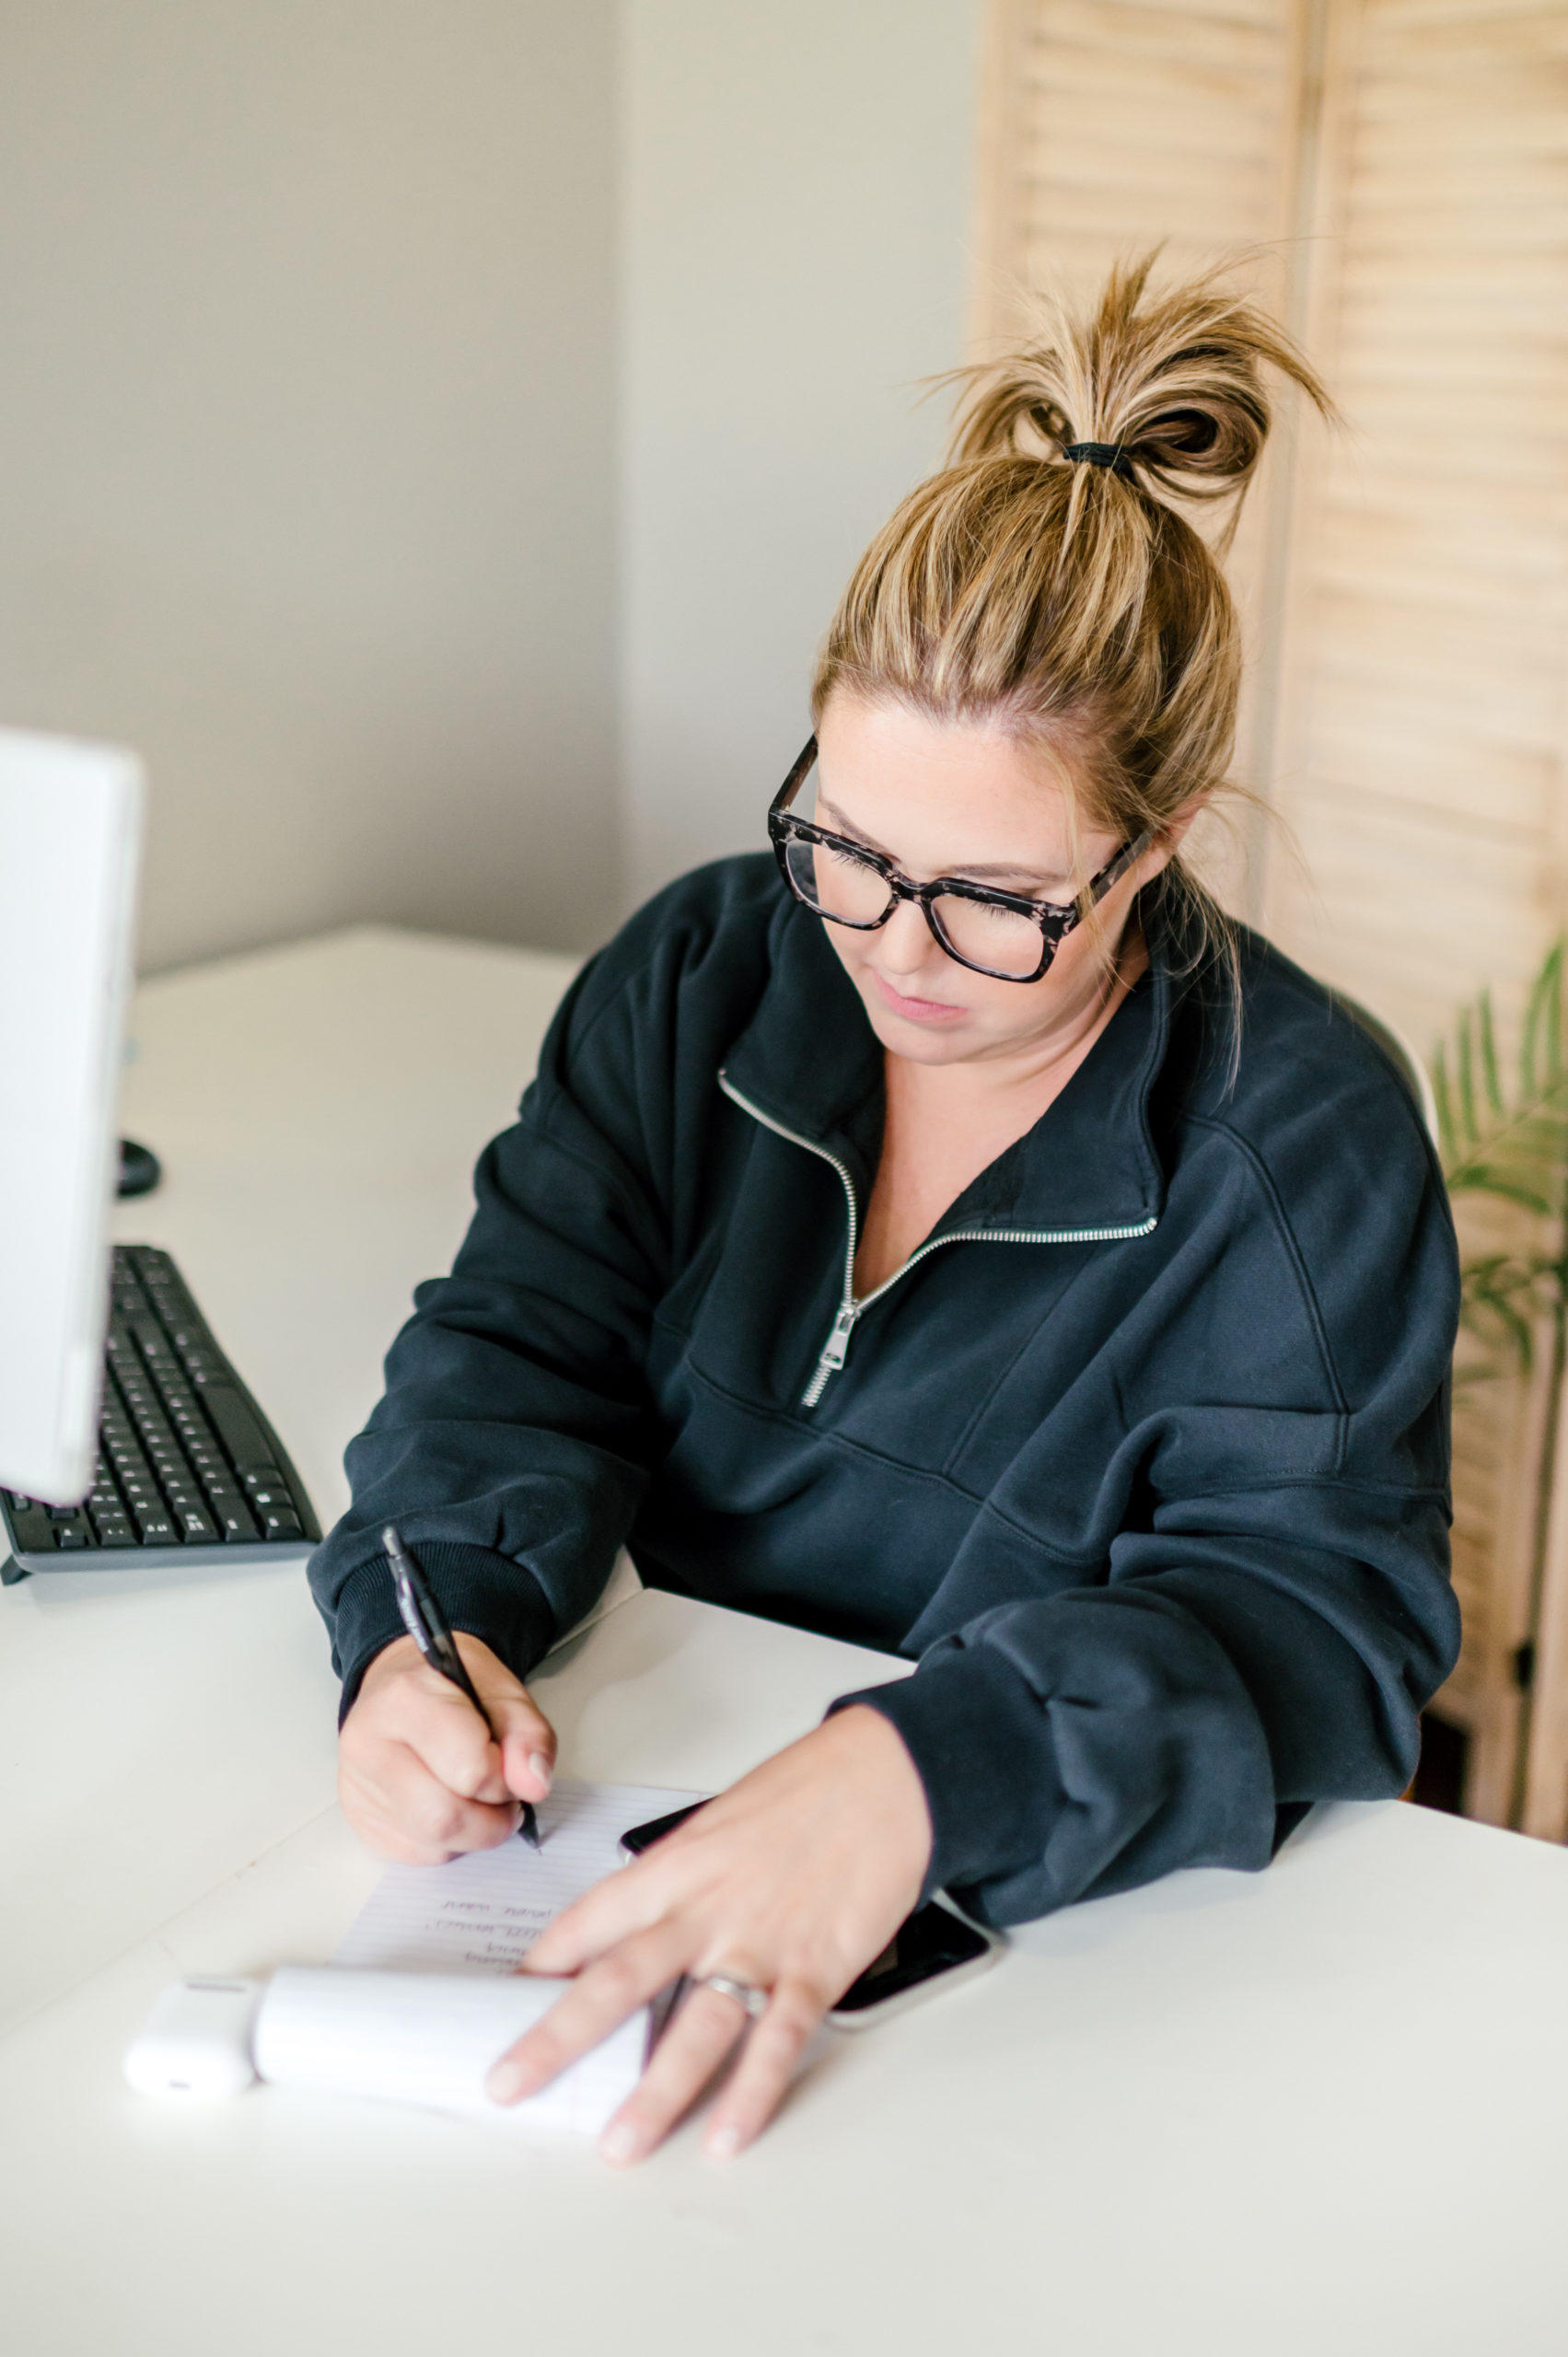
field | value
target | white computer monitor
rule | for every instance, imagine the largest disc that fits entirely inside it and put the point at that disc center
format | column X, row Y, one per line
column 70, row 845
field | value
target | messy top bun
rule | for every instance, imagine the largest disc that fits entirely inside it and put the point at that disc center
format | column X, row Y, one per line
column 1064, row 594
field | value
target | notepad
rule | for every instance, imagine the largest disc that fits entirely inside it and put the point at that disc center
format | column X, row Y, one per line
column 423, row 1995
column 481, row 1913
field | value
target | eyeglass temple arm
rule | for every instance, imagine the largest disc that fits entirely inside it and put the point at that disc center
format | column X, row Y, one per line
column 1127, row 856
column 796, row 777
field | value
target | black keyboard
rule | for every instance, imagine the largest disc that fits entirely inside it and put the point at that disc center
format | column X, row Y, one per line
column 189, row 1469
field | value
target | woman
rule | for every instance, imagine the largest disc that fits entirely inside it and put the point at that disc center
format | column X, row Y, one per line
column 956, row 1237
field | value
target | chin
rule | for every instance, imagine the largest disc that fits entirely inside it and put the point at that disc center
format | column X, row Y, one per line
column 919, row 1048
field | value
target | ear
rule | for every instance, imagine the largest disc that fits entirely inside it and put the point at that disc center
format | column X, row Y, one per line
column 1171, row 836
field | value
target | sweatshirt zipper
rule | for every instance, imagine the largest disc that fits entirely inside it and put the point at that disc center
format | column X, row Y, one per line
column 850, row 1310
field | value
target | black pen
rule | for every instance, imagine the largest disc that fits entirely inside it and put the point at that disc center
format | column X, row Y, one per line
column 426, row 1624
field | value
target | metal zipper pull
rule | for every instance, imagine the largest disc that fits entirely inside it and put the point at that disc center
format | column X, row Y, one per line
column 837, row 1343
column 834, row 1351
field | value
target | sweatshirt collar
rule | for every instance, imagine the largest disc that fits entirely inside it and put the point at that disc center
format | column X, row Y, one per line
column 809, row 1063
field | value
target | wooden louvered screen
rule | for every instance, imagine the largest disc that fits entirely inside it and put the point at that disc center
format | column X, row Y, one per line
column 1421, row 766
column 1420, row 753
column 1120, row 122
column 1113, row 127
column 1405, row 586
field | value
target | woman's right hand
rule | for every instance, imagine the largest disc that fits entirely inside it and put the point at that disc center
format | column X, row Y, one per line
column 419, row 1777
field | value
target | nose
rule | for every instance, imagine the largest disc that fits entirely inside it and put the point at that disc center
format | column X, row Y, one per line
column 906, row 942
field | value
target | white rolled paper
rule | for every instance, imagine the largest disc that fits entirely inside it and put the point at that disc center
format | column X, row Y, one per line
column 429, row 2039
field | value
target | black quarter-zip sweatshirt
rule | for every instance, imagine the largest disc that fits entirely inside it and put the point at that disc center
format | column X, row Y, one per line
column 1142, row 1455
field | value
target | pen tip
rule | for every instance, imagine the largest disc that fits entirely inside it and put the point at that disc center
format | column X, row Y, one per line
column 528, row 1825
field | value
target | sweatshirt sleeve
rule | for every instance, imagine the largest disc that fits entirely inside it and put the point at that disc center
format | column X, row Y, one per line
column 511, row 1442
column 1260, row 1640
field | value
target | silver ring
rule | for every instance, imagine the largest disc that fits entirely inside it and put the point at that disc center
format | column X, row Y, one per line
column 753, row 2001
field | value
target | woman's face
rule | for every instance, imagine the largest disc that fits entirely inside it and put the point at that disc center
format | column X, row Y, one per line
column 961, row 798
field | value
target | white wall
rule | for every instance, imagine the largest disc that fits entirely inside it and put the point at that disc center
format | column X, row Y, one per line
column 794, row 203
column 306, row 436
column 311, row 487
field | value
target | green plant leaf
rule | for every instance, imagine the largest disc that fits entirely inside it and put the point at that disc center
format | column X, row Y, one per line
column 1489, row 1072
column 1463, row 1075
column 1447, row 1142
column 1513, row 1147
column 1501, row 1298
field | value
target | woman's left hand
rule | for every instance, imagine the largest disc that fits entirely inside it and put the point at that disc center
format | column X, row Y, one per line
column 792, row 1882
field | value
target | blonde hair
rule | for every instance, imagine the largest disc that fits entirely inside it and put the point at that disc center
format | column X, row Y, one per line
column 1071, row 602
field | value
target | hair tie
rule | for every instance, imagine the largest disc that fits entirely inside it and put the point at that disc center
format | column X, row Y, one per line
column 1101, row 454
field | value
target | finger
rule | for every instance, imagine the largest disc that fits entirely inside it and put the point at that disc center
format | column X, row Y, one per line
column 403, row 1810
column 528, row 1758
column 595, row 2004
column 527, row 1738
column 703, row 2032
column 764, row 2071
column 435, row 1721
column 616, row 1909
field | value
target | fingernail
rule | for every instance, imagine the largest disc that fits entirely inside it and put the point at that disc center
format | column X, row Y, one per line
column 504, row 2082
column 540, row 1766
column 620, row 2144
column 724, row 2143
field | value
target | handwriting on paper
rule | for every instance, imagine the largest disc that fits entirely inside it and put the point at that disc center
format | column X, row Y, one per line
column 482, row 1913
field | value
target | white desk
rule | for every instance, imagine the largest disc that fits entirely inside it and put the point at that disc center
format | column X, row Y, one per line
column 1325, row 2107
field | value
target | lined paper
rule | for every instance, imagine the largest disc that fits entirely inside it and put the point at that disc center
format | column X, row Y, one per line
column 482, row 1913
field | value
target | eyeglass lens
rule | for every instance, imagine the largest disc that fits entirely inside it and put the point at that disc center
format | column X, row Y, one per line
column 839, row 885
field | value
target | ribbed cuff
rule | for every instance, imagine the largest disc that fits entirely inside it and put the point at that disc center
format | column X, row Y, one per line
column 485, row 1595
column 981, row 1746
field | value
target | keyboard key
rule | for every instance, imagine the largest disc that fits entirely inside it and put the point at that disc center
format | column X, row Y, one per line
column 30, row 1525
column 279, row 1521
column 262, row 1477
column 194, row 1526
column 237, row 1427
column 233, row 1519
column 153, row 1525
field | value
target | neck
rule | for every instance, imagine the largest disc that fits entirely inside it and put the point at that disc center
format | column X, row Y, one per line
column 946, row 1123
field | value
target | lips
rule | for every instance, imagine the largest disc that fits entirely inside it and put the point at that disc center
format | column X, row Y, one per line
column 914, row 1010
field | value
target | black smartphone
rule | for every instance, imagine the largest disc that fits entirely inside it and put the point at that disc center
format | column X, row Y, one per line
column 642, row 1837
column 931, row 1944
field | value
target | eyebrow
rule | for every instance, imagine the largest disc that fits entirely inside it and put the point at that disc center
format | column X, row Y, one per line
column 981, row 872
